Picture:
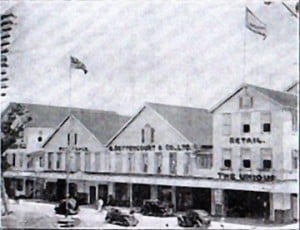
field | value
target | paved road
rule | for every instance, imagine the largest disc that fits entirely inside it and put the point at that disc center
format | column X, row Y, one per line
column 31, row 214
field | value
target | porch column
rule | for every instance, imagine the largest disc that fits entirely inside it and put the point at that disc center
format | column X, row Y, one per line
column 130, row 195
column 217, row 202
column 111, row 189
column 173, row 196
column 153, row 192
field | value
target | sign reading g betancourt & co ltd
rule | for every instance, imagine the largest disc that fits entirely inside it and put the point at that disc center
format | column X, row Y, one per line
column 246, row 177
column 168, row 147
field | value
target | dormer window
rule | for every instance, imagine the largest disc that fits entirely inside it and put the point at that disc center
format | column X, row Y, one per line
column 40, row 139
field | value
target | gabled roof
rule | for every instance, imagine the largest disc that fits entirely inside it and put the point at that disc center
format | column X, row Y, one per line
column 103, row 124
column 284, row 99
column 193, row 123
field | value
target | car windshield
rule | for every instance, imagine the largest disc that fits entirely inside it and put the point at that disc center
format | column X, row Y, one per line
column 202, row 212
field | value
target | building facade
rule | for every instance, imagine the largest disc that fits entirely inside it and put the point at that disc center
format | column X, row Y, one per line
column 240, row 159
column 256, row 149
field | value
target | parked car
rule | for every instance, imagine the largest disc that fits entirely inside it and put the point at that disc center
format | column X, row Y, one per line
column 194, row 218
column 73, row 207
column 115, row 216
column 155, row 208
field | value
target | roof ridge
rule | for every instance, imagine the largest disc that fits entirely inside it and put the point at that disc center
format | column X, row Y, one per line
column 72, row 108
column 177, row 106
column 274, row 90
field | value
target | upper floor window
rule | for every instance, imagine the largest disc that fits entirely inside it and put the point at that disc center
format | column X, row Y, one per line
column 246, row 157
column 118, row 162
column 246, row 120
column 77, row 161
column 50, row 155
column 42, row 162
column 226, row 155
column 226, row 130
column 187, row 163
column 266, row 158
column 75, row 138
column 158, row 162
column 147, row 134
column 13, row 160
column 87, row 161
column 58, row 160
column 295, row 158
column 145, row 162
column 246, row 102
column 131, row 162
column 265, row 119
column 203, row 160
column 173, row 163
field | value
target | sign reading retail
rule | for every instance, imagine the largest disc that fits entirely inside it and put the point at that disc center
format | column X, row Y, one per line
column 246, row 177
column 245, row 140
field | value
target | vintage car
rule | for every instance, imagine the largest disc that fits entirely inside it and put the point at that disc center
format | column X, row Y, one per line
column 73, row 207
column 155, row 208
column 194, row 218
column 115, row 216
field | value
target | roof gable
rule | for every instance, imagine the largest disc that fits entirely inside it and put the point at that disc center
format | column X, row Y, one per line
column 103, row 124
column 282, row 99
column 193, row 123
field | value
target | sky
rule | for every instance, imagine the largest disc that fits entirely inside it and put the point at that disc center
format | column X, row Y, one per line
column 189, row 53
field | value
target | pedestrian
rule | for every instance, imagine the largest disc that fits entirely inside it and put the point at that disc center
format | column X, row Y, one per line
column 100, row 205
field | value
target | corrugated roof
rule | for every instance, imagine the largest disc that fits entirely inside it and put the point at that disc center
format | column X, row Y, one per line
column 193, row 123
column 103, row 124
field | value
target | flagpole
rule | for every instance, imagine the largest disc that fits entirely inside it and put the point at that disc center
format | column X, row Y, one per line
column 69, row 139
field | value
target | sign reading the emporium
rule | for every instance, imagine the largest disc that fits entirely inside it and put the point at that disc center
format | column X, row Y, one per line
column 246, row 177
column 245, row 140
column 168, row 147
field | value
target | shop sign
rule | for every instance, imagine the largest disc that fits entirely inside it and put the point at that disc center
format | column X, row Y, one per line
column 246, row 177
column 245, row 140
column 74, row 148
column 167, row 147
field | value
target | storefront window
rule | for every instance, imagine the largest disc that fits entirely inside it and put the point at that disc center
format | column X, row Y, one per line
column 266, row 122
column 226, row 124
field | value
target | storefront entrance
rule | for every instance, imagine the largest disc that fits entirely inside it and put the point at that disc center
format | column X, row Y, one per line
column 140, row 192
column 202, row 199
column 247, row 204
column 102, row 192
column 122, row 194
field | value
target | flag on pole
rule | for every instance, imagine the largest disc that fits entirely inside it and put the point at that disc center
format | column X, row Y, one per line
column 254, row 24
column 76, row 64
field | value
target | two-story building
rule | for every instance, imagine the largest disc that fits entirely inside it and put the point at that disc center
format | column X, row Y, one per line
column 255, row 141
column 39, row 162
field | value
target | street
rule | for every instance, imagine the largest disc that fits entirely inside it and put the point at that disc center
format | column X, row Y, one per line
column 32, row 214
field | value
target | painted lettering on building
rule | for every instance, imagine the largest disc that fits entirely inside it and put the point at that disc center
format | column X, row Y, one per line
column 74, row 148
column 245, row 140
column 167, row 147
column 246, row 177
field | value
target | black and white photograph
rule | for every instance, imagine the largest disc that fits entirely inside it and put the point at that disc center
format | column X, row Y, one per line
column 140, row 114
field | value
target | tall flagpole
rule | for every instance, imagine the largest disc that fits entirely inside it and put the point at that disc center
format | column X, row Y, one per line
column 69, row 139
